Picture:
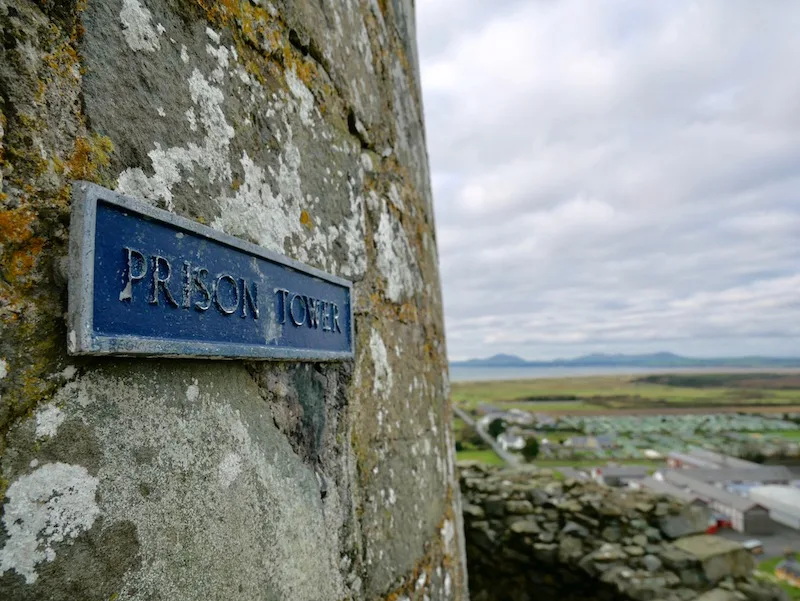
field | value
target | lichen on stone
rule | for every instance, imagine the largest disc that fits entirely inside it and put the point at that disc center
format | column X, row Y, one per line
column 53, row 504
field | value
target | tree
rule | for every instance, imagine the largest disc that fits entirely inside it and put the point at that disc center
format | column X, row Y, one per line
column 496, row 427
column 531, row 449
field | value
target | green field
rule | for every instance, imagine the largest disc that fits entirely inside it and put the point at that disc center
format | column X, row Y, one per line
column 491, row 458
column 599, row 393
column 576, row 463
column 767, row 568
column 483, row 456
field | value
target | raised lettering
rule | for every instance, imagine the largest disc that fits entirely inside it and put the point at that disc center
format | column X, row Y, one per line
column 250, row 297
column 187, row 284
column 226, row 309
column 160, row 281
column 284, row 308
column 302, row 303
column 199, row 275
column 326, row 316
column 336, row 326
column 127, row 291
column 313, row 312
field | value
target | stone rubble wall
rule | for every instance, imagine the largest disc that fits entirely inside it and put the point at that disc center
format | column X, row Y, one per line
column 533, row 537
column 293, row 124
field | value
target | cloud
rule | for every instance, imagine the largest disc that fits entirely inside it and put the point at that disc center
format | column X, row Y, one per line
column 616, row 176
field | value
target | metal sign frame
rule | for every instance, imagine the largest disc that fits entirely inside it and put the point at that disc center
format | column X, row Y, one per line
column 81, row 336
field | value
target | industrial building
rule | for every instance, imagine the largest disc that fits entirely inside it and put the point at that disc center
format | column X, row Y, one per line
column 746, row 515
column 763, row 474
column 722, row 460
column 703, row 458
column 783, row 503
column 678, row 460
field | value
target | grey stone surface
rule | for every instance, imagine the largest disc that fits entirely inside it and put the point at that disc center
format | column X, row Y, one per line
column 293, row 125
column 549, row 553
column 691, row 520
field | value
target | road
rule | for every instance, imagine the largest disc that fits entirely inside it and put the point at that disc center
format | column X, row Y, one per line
column 774, row 544
column 509, row 458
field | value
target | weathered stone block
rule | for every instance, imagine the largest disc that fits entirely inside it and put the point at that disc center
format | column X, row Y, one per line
column 717, row 556
column 692, row 519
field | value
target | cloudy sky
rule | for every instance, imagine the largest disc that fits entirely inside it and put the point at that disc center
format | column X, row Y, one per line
column 616, row 176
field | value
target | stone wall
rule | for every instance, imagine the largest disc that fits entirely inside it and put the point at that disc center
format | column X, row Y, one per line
column 295, row 125
column 531, row 536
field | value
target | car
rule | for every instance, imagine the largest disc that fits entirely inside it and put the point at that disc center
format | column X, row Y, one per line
column 755, row 546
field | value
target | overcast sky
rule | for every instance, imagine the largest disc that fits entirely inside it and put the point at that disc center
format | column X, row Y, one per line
column 615, row 176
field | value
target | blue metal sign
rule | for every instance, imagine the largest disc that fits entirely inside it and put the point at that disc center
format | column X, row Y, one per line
column 146, row 282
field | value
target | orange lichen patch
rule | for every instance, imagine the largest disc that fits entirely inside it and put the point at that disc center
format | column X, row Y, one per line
column 252, row 21
column 16, row 226
column 261, row 32
column 305, row 219
column 63, row 61
column 89, row 155
column 24, row 260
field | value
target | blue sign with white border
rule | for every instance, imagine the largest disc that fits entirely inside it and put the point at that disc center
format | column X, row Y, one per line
column 146, row 282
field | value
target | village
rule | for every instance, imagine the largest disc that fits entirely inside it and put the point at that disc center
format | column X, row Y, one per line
column 739, row 467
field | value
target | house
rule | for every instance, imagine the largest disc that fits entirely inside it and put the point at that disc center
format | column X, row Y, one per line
column 618, row 475
column 519, row 417
column 746, row 514
column 783, row 503
column 544, row 421
column 510, row 442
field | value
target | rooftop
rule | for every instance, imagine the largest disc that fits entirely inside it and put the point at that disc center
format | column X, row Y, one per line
column 762, row 473
column 709, row 492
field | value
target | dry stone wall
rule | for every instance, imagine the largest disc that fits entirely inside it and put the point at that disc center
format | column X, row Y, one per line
column 294, row 125
column 533, row 537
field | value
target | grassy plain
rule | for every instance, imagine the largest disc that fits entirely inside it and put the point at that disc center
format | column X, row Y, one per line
column 556, row 463
column 619, row 394
column 487, row 456
column 767, row 568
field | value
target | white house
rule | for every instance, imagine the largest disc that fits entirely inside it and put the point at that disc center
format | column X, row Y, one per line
column 510, row 442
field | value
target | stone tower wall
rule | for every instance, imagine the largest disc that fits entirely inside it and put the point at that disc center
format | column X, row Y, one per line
column 292, row 124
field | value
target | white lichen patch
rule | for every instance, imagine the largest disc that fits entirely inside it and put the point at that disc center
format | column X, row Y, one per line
column 303, row 96
column 192, row 392
column 211, row 157
column 48, row 419
column 256, row 213
column 3, row 368
column 382, row 384
column 53, row 504
column 212, row 35
column 395, row 260
column 222, row 54
column 137, row 27
column 229, row 468
column 448, row 534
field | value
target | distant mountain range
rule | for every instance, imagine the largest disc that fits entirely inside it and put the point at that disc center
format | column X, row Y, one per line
column 619, row 360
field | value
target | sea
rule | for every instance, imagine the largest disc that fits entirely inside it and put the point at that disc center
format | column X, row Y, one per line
column 483, row 374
